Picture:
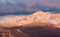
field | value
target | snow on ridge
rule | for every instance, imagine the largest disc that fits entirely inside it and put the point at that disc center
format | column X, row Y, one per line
column 39, row 17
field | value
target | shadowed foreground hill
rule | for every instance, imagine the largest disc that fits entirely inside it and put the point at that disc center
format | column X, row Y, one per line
column 39, row 24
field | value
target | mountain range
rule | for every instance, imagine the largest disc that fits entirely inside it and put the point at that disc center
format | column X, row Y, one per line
column 38, row 24
column 36, row 18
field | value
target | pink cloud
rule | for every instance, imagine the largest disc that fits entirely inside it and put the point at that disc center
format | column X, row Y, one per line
column 29, row 3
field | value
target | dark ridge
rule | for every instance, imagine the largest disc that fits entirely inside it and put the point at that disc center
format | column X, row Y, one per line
column 29, row 32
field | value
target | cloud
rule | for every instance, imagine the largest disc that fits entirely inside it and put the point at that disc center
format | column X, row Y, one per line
column 52, row 3
column 13, row 2
column 28, row 5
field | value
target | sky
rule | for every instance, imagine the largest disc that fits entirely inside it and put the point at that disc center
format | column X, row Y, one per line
column 27, row 5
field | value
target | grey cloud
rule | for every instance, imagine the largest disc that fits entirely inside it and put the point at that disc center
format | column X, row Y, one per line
column 51, row 3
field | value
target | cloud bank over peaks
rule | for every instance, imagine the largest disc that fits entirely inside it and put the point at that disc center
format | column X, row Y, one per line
column 29, row 5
